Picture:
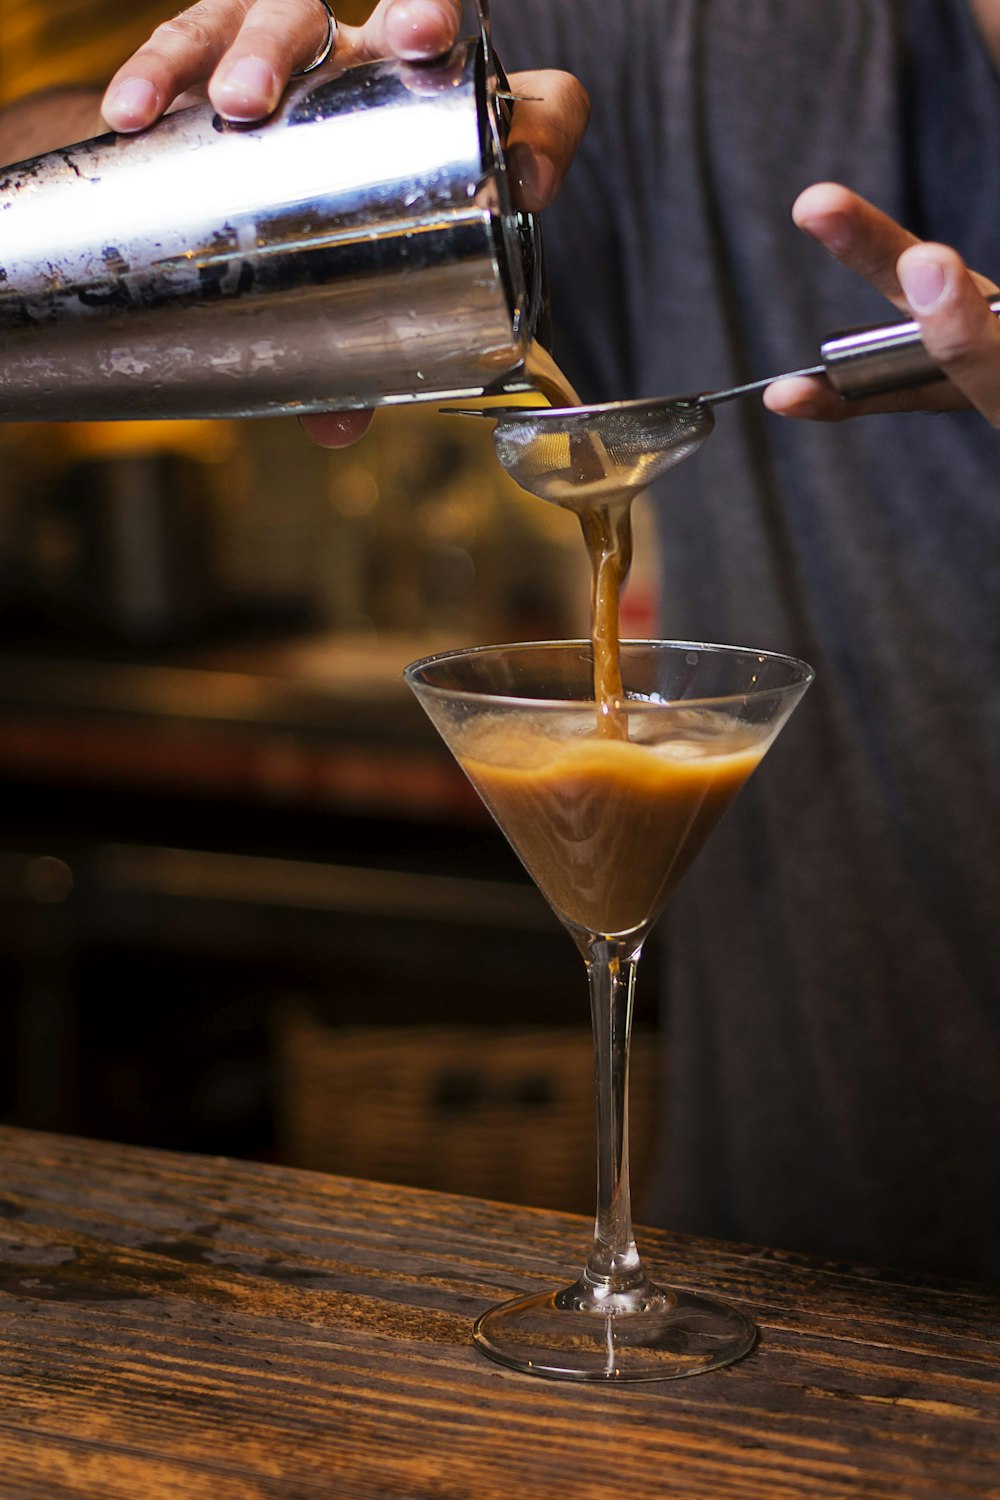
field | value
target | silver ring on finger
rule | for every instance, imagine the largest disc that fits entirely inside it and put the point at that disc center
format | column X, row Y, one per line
column 328, row 44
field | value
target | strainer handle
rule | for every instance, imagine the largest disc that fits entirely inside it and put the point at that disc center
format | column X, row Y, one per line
column 886, row 357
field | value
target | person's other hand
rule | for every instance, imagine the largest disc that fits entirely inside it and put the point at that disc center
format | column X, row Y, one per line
column 926, row 282
column 241, row 54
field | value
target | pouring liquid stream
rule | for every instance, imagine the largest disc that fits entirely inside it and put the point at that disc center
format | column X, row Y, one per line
column 606, row 804
column 604, row 511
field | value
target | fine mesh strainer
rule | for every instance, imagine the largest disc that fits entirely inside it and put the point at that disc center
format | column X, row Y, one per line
column 579, row 458
column 578, row 455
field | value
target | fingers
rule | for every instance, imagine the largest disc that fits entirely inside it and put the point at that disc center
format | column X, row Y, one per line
column 336, row 429
column 804, row 396
column 180, row 53
column 244, row 52
column 247, row 49
column 958, row 330
column 277, row 37
column 861, row 237
column 926, row 282
column 413, row 30
column 857, row 234
column 814, row 399
column 548, row 125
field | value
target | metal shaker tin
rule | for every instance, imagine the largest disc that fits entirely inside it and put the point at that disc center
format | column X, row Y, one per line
column 360, row 248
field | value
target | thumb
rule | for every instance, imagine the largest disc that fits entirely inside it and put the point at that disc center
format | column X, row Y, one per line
column 958, row 330
column 413, row 30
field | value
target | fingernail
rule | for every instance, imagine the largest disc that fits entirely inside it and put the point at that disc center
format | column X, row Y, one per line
column 133, row 103
column 534, row 176
column 411, row 20
column 247, row 91
column 923, row 280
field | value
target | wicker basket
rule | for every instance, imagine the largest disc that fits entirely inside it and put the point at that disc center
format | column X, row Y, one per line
column 493, row 1112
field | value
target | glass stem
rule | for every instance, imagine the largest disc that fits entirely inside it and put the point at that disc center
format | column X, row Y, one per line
column 614, row 1265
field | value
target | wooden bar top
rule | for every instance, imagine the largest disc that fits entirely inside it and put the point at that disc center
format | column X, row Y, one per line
column 184, row 1328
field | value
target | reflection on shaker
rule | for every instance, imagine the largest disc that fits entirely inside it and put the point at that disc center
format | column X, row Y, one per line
column 342, row 254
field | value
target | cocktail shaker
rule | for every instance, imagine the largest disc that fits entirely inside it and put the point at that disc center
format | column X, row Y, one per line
column 359, row 248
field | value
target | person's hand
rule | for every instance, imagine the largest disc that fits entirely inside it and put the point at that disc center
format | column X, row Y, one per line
column 241, row 54
column 926, row 282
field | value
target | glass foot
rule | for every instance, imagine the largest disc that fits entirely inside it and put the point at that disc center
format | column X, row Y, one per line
column 653, row 1333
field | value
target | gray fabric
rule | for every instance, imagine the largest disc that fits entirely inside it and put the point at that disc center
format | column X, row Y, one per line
column 833, row 1012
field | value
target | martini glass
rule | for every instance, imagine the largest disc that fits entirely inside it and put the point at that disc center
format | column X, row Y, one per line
column 606, row 813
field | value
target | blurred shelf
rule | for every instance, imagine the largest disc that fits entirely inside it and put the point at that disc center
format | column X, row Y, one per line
column 322, row 722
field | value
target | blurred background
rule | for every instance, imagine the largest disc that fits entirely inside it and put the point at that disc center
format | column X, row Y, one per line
column 247, row 903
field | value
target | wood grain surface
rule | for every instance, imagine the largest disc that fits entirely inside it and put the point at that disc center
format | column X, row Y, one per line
column 184, row 1328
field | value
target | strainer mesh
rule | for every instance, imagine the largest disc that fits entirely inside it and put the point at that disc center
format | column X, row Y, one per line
column 574, row 460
